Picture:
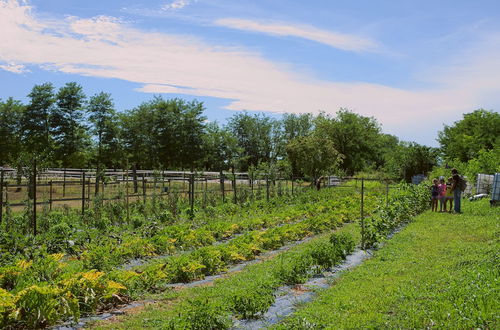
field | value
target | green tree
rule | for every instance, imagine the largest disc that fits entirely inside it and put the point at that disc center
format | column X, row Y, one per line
column 35, row 122
column 104, row 120
column 314, row 155
column 354, row 136
column 11, row 113
column 408, row 159
column 478, row 130
column 255, row 135
column 71, row 141
column 221, row 148
column 165, row 133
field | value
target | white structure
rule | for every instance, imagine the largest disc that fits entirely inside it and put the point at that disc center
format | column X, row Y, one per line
column 484, row 183
column 495, row 192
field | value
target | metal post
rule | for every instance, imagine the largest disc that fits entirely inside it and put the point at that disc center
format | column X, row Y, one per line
column 222, row 186
column 34, row 197
column 83, row 192
column 292, row 185
column 50, row 195
column 1, row 195
column 362, row 214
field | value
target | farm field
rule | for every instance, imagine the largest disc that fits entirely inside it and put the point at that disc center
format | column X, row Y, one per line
column 249, row 292
column 79, row 265
column 441, row 271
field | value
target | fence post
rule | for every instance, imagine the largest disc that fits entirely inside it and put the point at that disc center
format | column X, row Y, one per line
column 292, row 185
column 64, row 183
column 191, row 194
column 222, row 187
column 88, row 191
column 250, row 179
column 144, row 187
column 267, row 187
column 83, row 192
column 50, row 195
column 205, row 193
column 127, row 196
column 34, row 197
column 362, row 214
column 235, row 197
column 386, row 193
column 1, row 195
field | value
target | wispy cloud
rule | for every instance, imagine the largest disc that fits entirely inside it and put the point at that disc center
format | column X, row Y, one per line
column 14, row 68
column 164, row 63
column 175, row 4
column 329, row 38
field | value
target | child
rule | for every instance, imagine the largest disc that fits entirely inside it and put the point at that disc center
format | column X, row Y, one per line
column 434, row 195
column 449, row 195
column 442, row 195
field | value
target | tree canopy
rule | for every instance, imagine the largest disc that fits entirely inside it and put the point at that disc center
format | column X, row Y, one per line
column 478, row 130
column 65, row 128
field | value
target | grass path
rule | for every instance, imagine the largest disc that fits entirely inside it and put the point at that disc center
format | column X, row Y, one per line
column 441, row 271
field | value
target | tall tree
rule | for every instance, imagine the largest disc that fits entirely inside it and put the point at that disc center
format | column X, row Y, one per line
column 104, row 120
column 11, row 112
column 255, row 135
column 478, row 130
column 313, row 155
column 71, row 141
column 221, row 148
column 354, row 136
column 166, row 133
column 35, row 122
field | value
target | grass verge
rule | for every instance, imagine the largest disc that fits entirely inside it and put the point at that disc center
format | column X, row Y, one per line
column 441, row 271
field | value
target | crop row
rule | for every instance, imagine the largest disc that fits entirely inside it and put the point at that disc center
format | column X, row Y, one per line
column 41, row 291
column 30, row 288
column 250, row 293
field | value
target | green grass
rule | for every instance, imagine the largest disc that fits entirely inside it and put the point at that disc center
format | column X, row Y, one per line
column 441, row 271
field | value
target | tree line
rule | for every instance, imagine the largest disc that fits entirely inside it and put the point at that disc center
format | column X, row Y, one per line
column 66, row 128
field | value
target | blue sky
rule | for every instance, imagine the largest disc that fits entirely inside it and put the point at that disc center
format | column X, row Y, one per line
column 413, row 65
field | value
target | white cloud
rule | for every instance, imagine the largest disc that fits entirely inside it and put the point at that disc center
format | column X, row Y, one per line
column 14, row 68
column 175, row 5
column 332, row 39
column 163, row 63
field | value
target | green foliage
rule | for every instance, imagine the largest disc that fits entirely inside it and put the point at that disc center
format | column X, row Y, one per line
column 41, row 306
column 35, row 122
column 66, row 128
column 104, row 122
column 313, row 156
column 478, row 130
column 407, row 202
column 354, row 136
column 200, row 314
column 255, row 135
column 408, row 159
column 11, row 112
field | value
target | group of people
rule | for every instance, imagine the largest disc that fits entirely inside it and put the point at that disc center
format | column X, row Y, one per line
column 447, row 193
